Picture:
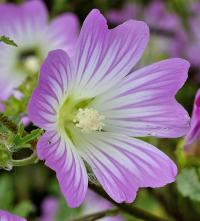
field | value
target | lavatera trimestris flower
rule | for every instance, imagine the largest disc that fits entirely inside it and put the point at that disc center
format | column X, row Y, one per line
column 92, row 106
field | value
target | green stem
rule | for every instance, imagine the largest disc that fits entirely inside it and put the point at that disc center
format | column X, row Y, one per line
column 130, row 209
column 27, row 161
column 98, row 215
column 4, row 120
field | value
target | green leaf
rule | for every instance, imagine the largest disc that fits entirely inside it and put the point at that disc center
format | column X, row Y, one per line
column 188, row 183
column 180, row 153
column 20, row 142
column 7, row 41
column 7, row 192
column 32, row 136
column 24, row 208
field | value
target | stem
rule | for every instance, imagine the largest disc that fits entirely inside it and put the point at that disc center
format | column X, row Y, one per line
column 130, row 209
column 98, row 215
column 4, row 120
column 27, row 161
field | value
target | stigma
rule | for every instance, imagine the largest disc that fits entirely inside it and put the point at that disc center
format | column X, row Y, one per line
column 88, row 120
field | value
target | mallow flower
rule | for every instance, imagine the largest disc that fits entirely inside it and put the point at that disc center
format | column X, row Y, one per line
column 94, row 203
column 92, row 106
column 6, row 216
column 128, row 11
column 27, row 24
column 162, row 20
column 192, row 139
column 193, row 46
column 49, row 209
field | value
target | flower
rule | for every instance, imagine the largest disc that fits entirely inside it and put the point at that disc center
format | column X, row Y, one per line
column 27, row 24
column 129, row 11
column 193, row 46
column 6, row 216
column 161, row 20
column 192, row 139
column 49, row 209
column 116, row 105
column 94, row 203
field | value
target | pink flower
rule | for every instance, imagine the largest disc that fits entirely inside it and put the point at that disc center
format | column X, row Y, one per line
column 192, row 139
column 6, row 216
column 193, row 43
column 94, row 203
column 129, row 11
column 92, row 105
column 49, row 209
column 28, row 25
column 159, row 18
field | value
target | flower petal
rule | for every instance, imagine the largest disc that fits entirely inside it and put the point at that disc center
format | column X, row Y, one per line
column 54, row 84
column 60, row 155
column 20, row 22
column 105, row 56
column 123, row 164
column 6, row 216
column 194, row 132
column 5, row 91
column 63, row 32
column 26, row 25
column 144, row 104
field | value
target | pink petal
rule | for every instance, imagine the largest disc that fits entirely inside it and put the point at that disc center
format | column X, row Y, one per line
column 60, row 155
column 105, row 56
column 6, row 216
column 21, row 21
column 50, row 206
column 6, row 87
column 194, row 132
column 63, row 32
column 123, row 164
column 144, row 104
column 54, row 84
column 98, row 204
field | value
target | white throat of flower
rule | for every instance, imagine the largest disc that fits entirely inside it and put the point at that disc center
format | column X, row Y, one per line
column 88, row 120
column 32, row 64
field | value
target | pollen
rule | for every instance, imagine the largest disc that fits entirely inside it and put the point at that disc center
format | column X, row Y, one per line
column 89, row 119
column 32, row 64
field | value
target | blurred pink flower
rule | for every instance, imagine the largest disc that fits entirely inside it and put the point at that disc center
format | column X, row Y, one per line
column 156, row 15
column 27, row 24
column 49, row 209
column 118, row 16
column 193, row 43
column 161, row 20
column 6, row 216
column 94, row 203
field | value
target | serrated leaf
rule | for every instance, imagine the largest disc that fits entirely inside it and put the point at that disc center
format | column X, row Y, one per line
column 188, row 183
column 7, row 41
column 20, row 141
column 32, row 136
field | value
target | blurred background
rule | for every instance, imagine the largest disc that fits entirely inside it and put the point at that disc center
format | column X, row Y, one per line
column 33, row 191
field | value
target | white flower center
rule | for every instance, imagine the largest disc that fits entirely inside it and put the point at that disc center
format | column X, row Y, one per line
column 32, row 64
column 88, row 119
